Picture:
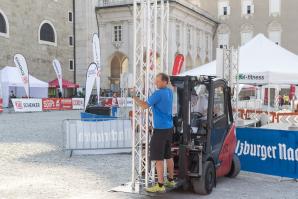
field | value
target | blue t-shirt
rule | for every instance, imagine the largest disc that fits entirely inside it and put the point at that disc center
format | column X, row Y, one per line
column 161, row 102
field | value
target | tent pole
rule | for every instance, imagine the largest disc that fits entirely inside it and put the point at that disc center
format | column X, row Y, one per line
column 268, row 101
column 256, row 91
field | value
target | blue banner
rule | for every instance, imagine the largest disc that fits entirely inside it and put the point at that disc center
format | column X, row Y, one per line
column 267, row 151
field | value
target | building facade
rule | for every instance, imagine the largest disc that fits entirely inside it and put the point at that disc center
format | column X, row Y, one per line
column 241, row 20
column 41, row 31
column 191, row 29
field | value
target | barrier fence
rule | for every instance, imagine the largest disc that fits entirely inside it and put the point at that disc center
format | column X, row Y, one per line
column 1, row 105
column 47, row 104
column 275, row 117
column 103, row 135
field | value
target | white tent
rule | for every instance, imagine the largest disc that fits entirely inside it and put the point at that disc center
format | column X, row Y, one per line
column 261, row 62
column 11, row 81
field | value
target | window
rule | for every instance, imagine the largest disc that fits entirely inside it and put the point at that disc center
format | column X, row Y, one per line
column 274, row 7
column 246, row 33
column 247, row 7
column 223, row 40
column 274, row 32
column 223, row 8
column 4, row 28
column 70, row 40
column 47, row 33
column 275, row 36
column 188, row 38
column 208, row 48
column 118, row 33
column 70, row 17
column 245, row 37
column 219, row 102
column 178, row 34
column 71, row 65
column 106, row 2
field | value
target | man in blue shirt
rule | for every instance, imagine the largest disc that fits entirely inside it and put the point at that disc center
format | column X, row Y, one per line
column 161, row 102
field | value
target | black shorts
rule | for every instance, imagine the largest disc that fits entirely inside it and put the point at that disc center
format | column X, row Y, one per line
column 160, row 144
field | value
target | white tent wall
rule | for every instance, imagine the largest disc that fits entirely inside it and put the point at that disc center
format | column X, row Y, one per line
column 35, row 92
column 5, row 94
column 11, row 81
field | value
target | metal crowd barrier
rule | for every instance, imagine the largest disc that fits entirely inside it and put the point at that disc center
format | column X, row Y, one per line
column 97, row 136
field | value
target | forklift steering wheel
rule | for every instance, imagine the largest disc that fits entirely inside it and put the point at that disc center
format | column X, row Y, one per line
column 197, row 115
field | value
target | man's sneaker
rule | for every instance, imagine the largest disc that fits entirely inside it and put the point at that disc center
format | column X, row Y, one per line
column 156, row 189
column 170, row 184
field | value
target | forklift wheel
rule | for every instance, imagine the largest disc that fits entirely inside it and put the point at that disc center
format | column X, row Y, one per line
column 235, row 168
column 205, row 183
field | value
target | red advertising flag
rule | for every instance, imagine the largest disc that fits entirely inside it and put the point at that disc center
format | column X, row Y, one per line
column 66, row 104
column 179, row 59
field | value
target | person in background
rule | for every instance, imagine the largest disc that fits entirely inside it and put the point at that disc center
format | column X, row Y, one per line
column 286, row 99
column 59, row 94
column 114, row 105
column 280, row 101
column 11, row 96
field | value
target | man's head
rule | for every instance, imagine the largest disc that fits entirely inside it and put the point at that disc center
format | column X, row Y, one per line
column 161, row 80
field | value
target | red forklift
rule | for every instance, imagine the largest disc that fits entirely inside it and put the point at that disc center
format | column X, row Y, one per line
column 204, row 141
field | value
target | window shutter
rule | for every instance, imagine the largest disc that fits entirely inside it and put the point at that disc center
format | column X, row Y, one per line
column 275, row 36
column 274, row 6
column 229, row 10
column 220, row 9
column 244, row 7
column 252, row 8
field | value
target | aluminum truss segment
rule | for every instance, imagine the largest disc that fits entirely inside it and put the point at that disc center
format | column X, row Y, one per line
column 150, row 21
column 231, row 74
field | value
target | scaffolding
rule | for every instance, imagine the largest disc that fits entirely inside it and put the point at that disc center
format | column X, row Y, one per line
column 231, row 74
column 150, row 56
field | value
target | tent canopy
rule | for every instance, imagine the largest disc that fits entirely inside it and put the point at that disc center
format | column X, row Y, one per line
column 11, row 81
column 65, row 84
column 261, row 61
column 10, row 76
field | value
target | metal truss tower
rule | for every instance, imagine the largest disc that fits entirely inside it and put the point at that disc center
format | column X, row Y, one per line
column 150, row 56
column 231, row 74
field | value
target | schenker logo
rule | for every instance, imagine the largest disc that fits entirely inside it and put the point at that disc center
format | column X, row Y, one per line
column 31, row 105
column 19, row 105
column 263, row 152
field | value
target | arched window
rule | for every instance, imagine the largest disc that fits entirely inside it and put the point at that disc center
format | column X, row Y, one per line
column 246, row 33
column 4, row 26
column 223, row 36
column 47, row 33
column 274, row 32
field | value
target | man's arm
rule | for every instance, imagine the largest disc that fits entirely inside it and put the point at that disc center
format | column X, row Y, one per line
column 140, row 102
